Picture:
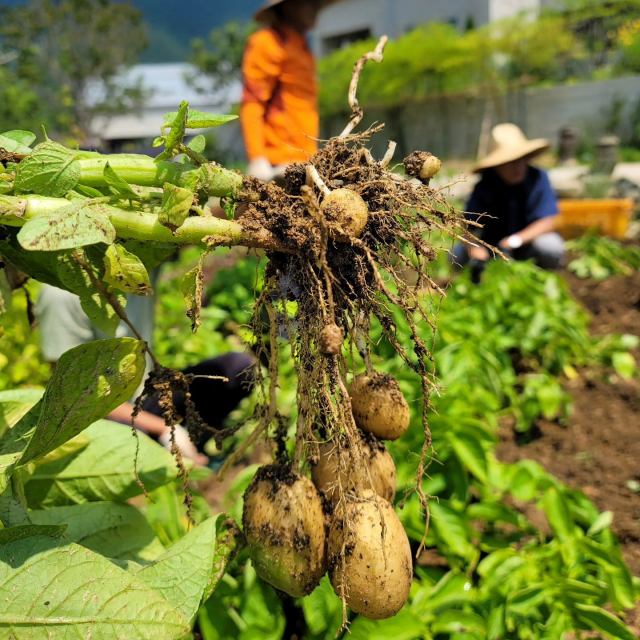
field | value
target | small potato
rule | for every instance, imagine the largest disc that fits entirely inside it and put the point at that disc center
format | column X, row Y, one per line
column 353, row 476
column 331, row 339
column 372, row 587
column 346, row 214
column 379, row 406
column 283, row 523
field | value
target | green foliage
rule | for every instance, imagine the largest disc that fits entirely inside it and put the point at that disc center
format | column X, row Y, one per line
column 62, row 49
column 599, row 257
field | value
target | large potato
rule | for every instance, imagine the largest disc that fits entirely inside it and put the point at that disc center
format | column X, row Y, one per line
column 373, row 588
column 347, row 210
column 283, row 523
column 379, row 406
column 332, row 465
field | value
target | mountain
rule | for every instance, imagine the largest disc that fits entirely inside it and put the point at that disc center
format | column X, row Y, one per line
column 173, row 24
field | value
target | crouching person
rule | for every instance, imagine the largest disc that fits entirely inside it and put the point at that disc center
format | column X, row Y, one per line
column 515, row 204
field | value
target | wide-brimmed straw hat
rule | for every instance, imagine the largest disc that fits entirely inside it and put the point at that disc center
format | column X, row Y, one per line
column 506, row 144
column 265, row 14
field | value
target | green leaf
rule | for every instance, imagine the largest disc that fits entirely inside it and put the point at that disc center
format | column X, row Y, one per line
column 72, row 226
column 102, row 471
column 603, row 521
column 75, row 279
column 88, row 382
column 151, row 255
column 88, row 192
column 23, row 137
column 50, row 170
column 124, row 271
column 600, row 620
column 471, row 453
column 624, row 364
column 117, row 531
column 178, row 124
column 77, row 443
column 72, row 592
column 452, row 530
column 13, row 146
column 322, row 609
column 558, row 514
column 14, row 534
column 188, row 571
column 199, row 119
column 198, row 144
column 14, row 443
column 16, row 403
column 454, row 620
column 12, row 511
column 114, row 181
column 404, row 626
column 176, row 203
column 11, row 208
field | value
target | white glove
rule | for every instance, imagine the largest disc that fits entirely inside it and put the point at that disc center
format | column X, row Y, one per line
column 261, row 168
column 182, row 440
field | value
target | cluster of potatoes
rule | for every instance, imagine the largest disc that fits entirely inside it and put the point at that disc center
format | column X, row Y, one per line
column 297, row 528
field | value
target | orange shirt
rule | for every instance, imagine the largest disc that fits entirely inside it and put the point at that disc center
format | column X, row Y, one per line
column 280, row 97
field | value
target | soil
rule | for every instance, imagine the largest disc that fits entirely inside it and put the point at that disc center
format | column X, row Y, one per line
column 599, row 448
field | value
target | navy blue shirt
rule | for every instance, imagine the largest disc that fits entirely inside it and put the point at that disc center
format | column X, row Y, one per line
column 512, row 207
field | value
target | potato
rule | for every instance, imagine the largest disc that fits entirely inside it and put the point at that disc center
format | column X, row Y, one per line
column 379, row 406
column 345, row 209
column 283, row 523
column 373, row 588
column 331, row 339
column 353, row 476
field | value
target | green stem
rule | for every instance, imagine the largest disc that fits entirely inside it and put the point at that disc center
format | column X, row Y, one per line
column 143, row 171
column 136, row 225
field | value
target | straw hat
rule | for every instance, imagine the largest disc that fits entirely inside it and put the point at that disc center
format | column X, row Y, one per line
column 265, row 13
column 506, row 144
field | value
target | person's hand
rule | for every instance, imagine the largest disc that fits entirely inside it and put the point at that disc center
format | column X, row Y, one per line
column 261, row 168
column 182, row 440
column 478, row 253
column 511, row 242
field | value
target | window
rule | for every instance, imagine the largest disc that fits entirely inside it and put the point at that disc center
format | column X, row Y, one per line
column 331, row 43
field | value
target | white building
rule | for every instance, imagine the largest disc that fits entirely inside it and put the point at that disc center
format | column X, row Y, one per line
column 349, row 20
column 165, row 85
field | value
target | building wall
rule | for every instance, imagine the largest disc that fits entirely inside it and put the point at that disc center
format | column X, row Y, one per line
column 450, row 127
column 500, row 9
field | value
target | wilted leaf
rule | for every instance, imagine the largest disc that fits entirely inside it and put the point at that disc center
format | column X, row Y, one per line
column 74, row 225
column 200, row 119
column 102, row 471
column 191, row 288
column 50, row 170
column 75, row 279
column 74, row 592
column 117, row 531
column 176, row 204
column 88, row 382
column 11, row 207
column 124, row 271
column 178, row 124
column 116, row 182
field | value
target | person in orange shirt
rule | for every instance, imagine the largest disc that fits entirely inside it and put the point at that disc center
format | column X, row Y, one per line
column 279, row 112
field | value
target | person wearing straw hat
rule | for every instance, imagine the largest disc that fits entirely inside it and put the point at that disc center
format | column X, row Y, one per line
column 514, row 202
column 279, row 112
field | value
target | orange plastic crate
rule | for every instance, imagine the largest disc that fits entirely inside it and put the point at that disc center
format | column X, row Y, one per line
column 608, row 217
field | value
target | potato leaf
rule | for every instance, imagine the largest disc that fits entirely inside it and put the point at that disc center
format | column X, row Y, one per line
column 21, row 532
column 117, row 531
column 101, row 471
column 198, row 144
column 124, row 271
column 116, row 182
column 191, row 288
column 74, row 592
column 75, row 225
column 50, row 170
column 88, row 382
column 604, row 622
column 178, row 125
column 176, row 203
column 23, row 137
column 194, row 565
column 200, row 119
column 13, row 146
column 14, row 404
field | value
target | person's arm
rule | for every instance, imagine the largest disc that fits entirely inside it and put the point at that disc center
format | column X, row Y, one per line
column 261, row 69
column 531, row 232
column 542, row 211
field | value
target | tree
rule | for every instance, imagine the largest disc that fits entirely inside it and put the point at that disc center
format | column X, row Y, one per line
column 70, row 53
column 220, row 59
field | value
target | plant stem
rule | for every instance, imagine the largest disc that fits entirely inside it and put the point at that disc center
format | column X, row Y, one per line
column 136, row 225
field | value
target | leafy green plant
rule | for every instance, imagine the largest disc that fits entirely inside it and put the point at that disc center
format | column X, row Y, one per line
column 599, row 257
